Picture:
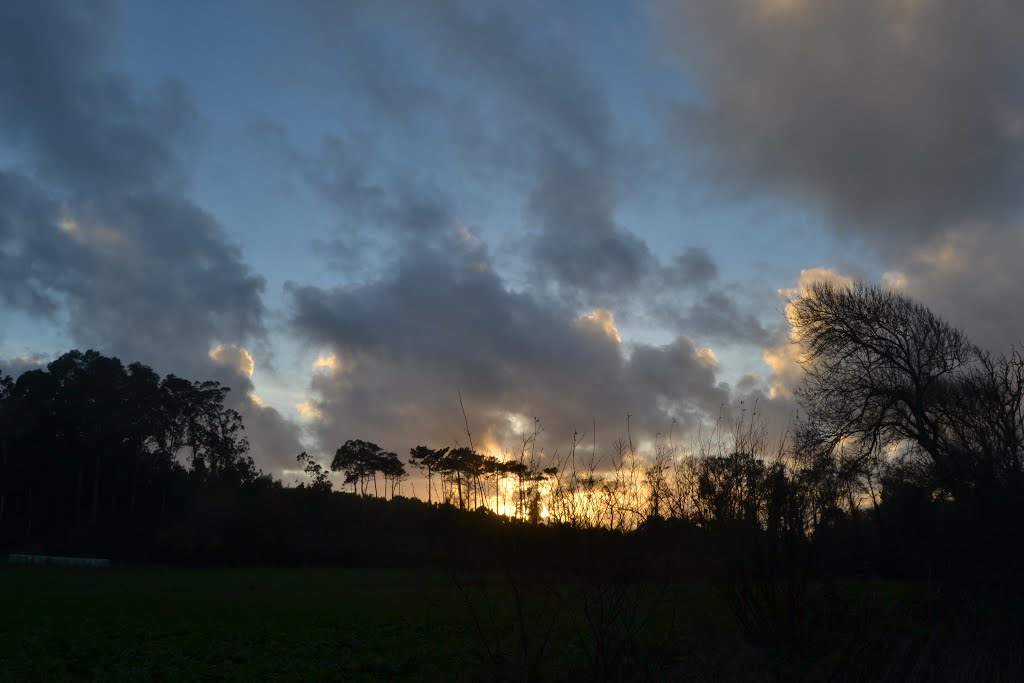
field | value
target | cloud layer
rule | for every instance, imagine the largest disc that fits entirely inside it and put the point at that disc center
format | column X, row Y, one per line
column 97, row 231
column 900, row 118
column 478, row 177
column 437, row 324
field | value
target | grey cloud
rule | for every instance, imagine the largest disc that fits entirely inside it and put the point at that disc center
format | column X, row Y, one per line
column 396, row 200
column 714, row 315
column 572, row 163
column 274, row 439
column 537, row 76
column 579, row 245
column 14, row 367
column 688, row 295
column 518, row 53
column 169, row 279
column 23, row 275
column 437, row 325
column 514, row 100
column 540, row 118
column 76, row 122
column 971, row 276
column 148, row 277
column 898, row 118
column 692, row 267
column 95, row 230
column 95, row 224
column 337, row 172
column 903, row 121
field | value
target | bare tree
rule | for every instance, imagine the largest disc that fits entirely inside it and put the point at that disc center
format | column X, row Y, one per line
column 882, row 370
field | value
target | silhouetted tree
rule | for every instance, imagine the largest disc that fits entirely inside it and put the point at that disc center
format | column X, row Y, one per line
column 427, row 459
column 392, row 470
column 87, row 438
column 319, row 481
column 360, row 461
column 884, row 371
column 464, row 463
column 6, row 429
column 900, row 402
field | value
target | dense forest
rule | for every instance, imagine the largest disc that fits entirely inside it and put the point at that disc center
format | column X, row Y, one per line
column 906, row 462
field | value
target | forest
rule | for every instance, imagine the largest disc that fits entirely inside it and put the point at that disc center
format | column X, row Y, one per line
column 904, row 465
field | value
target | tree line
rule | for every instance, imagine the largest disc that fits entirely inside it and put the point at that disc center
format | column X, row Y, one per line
column 88, row 437
column 465, row 478
column 907, row 460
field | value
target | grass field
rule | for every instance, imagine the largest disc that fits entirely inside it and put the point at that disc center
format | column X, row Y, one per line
column 251, row 624
column 290, row 624
column 366, row 625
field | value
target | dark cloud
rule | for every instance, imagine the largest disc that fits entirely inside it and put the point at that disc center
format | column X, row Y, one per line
column 714, row 315
column 972, row 277
column 537, row 118
column 14, row 367
column 903, row 120
column 406, row 344
column 579, row 245
column 688, row 295
column 165, row 276
column 900, row 118
column 514, row 63
column 75, row 121
column 504, row 89
column 94, row 223
column 692, row 267
column 24, row 277
column 397, row 199
column 95, row 229
column 274, row 440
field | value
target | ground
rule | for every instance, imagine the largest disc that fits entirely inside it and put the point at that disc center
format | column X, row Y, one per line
column 230, row 624
column 159, row 624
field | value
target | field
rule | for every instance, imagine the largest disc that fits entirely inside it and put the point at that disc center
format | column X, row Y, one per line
column 283, row 624
column 365, row 625
column 249, row 624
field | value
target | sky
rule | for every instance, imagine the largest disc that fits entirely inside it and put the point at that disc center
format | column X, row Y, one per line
column 565, row 213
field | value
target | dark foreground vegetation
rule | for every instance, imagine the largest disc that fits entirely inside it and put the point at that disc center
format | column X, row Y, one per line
column 878, row 541
column 417, row 625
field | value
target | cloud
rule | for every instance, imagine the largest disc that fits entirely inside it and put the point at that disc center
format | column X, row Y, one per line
column 902, row 120
column 603, row 321
column 715, row 314
column 784, row 357
column 578, row 245
column 513, row 103
column 14, row 367
column 145, row 277
column 308, row 410
column 433, row 327
column 94, row 223
column 235, row 357
column 691, row 267
column 397, row 198
column 328, row 361
column 511, row 99
column 96, row 230
column 75, row 121
column 899, row 118
column 971, row 276
column 274, row 440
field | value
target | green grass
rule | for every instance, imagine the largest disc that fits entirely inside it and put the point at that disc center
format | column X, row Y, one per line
column 421, row 625
column 312, row 624
column 247, row 624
